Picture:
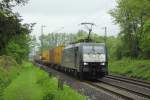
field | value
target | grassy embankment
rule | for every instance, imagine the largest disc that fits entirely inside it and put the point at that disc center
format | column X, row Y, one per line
column 27, row 82
column 132, row 68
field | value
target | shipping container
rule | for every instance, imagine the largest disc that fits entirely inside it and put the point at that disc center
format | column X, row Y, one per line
column 51, row 54
column 58, row 55
column 45, row 56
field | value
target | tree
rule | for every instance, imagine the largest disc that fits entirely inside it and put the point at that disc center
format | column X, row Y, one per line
column 145, row 40
column 14, row 36
column 8, row 4
column 131, row 15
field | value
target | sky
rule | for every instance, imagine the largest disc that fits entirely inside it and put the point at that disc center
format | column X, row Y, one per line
column 66, row 15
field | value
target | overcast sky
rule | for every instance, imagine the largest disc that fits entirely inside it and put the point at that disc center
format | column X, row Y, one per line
column 55, row 14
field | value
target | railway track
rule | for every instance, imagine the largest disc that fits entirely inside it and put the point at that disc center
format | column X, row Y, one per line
column 130, row 80
column 106, row 88
column 126, row 88
column 120, row 91
column 123, row 88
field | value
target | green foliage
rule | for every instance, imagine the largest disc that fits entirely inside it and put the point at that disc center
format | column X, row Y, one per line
column 145, row 40
column 14, row 36
column 97, row 38
column 9, row 70
column 55, row 39
column 7, row 4
column 35, row 84
column 132, row 15
column 18, row 47
column 81, row 35
column 10, row 27
column 14, row 50
column 132, row 68
column 24, row 87
column 112, row 45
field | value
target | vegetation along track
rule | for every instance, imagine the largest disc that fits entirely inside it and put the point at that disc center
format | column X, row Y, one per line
column 126, row 88
column 121, row 89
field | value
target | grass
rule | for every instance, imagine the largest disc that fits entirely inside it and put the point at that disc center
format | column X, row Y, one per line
column 131, row 67
column 9, row 70
column 33, row 83
column 24, row 87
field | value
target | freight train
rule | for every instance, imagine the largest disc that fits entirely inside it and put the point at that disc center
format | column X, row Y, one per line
column 84, row 60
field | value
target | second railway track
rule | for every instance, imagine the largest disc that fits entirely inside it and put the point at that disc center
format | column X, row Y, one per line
column 126, row 88
column 115, row 92
column 130, row 80
column 120, row 88
column 121, row 92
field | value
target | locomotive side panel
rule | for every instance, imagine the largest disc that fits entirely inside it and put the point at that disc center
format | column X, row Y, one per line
column 68, row 58
column 77, row 57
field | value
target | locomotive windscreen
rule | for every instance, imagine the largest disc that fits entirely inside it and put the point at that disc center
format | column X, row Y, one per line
column 94, row 54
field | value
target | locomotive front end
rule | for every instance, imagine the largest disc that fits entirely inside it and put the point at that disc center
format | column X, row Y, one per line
column 94, row 60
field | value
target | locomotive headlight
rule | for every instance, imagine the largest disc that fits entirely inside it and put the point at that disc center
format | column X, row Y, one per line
column 102, row 63
column 85, row 63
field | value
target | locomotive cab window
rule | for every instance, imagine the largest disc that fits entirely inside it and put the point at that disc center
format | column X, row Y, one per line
column 94, row 54
column 94, row 49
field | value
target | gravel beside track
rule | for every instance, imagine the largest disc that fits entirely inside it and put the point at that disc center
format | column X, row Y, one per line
column 132, row 88
column 113, row 90
column 107, row 88
column 92, row 93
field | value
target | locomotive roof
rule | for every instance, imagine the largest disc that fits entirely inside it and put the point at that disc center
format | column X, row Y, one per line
column 84, row 43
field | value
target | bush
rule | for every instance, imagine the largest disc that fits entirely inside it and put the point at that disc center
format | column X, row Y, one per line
column 131, row 67
column 18, row 47
column 9, row 70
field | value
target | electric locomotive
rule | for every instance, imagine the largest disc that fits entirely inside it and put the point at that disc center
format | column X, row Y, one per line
column 86, row 60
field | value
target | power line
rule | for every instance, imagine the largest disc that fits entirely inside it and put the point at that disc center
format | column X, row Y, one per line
column 89, row 26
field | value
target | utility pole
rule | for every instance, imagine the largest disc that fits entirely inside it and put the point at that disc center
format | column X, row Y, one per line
column 42, row 26
column 89, row 26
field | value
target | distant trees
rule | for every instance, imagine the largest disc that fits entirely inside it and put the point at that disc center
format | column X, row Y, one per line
column 133, row 17
column 56, row 39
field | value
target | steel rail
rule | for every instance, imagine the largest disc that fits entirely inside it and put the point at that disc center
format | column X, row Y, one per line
column 129, row 90
column 132, row 79
column 110, row 91
column 129, row 81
